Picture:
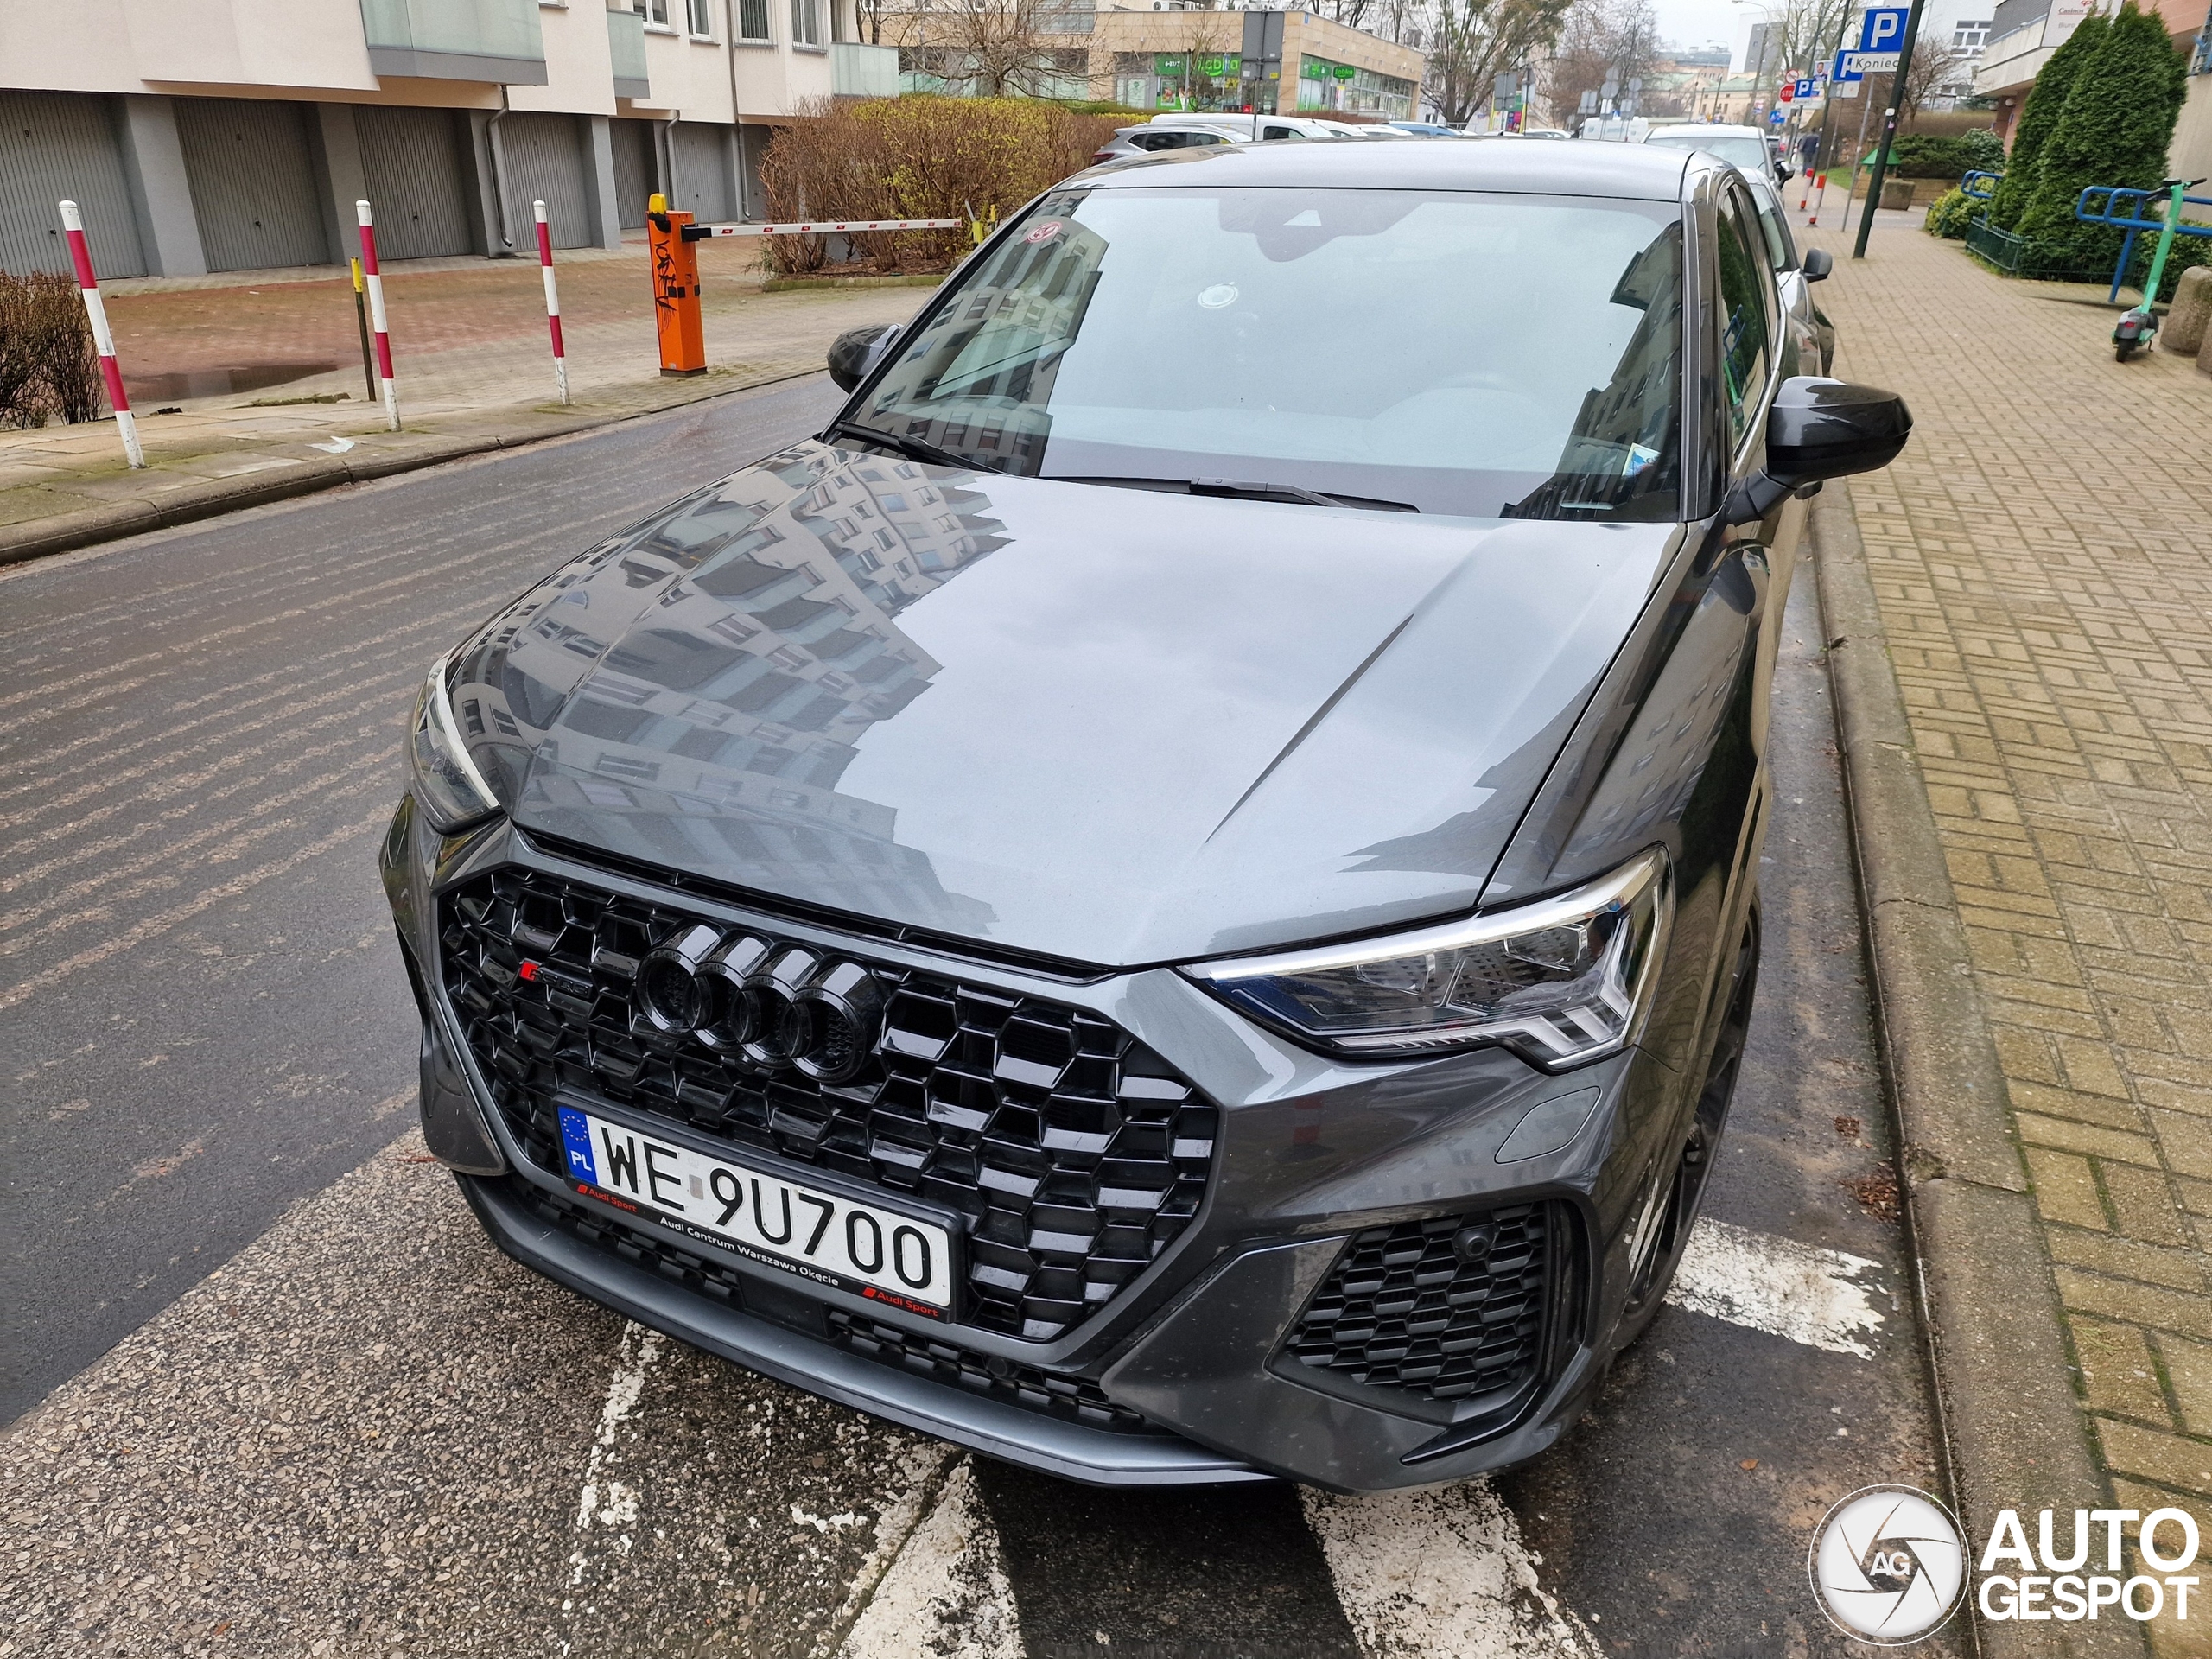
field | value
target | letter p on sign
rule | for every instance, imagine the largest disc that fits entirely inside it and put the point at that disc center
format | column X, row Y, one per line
column 1885, row 29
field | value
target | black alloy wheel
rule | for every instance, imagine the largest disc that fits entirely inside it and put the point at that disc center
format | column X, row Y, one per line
column 1693, row 1167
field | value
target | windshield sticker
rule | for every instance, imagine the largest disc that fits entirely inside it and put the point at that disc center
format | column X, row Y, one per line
column 1045, row 232
column 1219, row 296
column 1640, row 456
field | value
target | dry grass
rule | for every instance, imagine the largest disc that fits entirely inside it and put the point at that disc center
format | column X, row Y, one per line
column 918, row 157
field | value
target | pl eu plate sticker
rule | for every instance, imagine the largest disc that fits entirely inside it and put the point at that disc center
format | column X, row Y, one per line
column 575, row 1137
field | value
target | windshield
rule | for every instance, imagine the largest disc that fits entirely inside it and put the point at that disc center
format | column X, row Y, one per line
column 1451, row 353
column 1738, row 151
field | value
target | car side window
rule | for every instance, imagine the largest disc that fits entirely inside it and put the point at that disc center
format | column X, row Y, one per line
column 1282, row 132
column 1746, row 348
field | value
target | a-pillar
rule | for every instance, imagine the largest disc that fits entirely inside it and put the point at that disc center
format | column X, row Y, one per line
column 160, row 195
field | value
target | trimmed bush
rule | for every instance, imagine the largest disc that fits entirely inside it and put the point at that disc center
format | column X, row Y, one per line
column 2039, row 120
column 1950, row 214
column 1915, row 156
column 918, row 157
column 2119, row 119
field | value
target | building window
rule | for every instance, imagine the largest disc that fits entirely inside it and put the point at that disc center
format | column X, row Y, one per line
column 701, row 18
column 655, row 12
column 1970, row 37
column 806, row 22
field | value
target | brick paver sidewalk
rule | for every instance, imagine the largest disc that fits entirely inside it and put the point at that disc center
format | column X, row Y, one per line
column 235, row 355
column 2042, row 558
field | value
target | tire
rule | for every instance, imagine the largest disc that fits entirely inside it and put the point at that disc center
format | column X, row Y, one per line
column 1693, row 1165
column 2122, row 350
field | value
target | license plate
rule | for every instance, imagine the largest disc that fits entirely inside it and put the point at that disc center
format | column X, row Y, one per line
column 826, row 1236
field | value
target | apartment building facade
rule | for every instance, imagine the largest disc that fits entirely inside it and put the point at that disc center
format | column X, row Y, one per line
column 215, row 135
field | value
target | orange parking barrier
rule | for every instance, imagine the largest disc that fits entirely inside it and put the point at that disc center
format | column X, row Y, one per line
column 676, row 289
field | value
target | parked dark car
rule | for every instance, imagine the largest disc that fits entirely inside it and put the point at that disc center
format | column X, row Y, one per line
column 1174, row 898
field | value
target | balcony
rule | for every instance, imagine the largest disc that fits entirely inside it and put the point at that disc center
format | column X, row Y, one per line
column 857, row 70
column 494, row 41
column 625, row 42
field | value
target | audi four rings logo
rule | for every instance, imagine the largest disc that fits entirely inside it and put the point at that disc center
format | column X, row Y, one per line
column 769, row 1005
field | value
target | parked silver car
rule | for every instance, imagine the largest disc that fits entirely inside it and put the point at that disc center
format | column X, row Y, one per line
column 1795, row 273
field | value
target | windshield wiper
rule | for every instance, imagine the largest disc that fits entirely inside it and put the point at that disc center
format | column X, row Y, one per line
column 1239, row 491
column 912, row 448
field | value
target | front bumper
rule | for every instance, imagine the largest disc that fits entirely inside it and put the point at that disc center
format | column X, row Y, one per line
column 1311, row 1151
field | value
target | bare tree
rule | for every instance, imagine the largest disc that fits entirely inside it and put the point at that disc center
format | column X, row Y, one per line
column 1470, row 41
column 1600, row 40
column 1002, row 48
column 1933, row 63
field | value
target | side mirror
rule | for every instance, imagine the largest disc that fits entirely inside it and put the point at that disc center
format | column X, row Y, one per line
column 854, row 353
column 1821, row 429
column 1816, row 264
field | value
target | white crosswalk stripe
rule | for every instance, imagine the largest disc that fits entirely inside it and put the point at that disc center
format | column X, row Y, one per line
column 1824, row 1298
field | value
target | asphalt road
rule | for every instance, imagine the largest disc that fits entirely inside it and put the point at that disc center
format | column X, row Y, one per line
column 293, row 1402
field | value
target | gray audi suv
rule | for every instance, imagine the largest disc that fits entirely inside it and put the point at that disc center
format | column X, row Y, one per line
column 1174, row 898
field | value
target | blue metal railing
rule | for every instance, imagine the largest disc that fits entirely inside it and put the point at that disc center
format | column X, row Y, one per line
column 1967, row 184
column 2123, row 210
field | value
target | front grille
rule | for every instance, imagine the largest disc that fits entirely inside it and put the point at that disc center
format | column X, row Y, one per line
column 1075, row 1154
column 1405, row 1307
column 1076, row 1398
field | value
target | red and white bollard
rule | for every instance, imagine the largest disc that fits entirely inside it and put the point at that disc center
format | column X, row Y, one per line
column 1819, row 195
column 72, row 222
column 552, row 300
column 376, row 315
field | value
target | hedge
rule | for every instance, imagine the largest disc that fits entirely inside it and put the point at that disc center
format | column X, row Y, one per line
column 2117, row 120
column 2039, row 120
column 919, row 156
column 1916, row 155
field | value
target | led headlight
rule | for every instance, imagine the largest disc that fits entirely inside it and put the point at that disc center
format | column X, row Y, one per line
column 1562, row 980
column 450, row 789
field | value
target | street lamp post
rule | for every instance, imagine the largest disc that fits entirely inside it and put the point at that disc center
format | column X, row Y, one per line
column 1889, row 128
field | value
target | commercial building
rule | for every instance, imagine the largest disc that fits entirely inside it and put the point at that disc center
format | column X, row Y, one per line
column 2026, row 33
column 1176, row 57
column 208, row 135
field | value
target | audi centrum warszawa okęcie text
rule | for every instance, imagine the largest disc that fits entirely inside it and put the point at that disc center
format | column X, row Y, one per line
column 1174, row 898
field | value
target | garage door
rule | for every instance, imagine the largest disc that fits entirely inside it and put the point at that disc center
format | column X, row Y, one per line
column 252, row 182
column 544, row 159
column 412, row 164
column 703, row 178
column 62, row 146
column 635, row 176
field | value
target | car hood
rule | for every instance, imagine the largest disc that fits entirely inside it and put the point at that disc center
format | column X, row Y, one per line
column 1106, row 726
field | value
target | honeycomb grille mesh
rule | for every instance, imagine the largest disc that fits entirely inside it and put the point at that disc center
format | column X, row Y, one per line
column 1405, row 1308
column 1075, row 1155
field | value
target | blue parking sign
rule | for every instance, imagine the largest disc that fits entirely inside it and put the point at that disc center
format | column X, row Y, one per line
column 1843, row 69
column 1884, row 30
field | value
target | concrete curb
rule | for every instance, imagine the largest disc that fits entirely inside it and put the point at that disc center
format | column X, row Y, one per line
column 2013, row 1433
column 800, row 285
column 39, row 538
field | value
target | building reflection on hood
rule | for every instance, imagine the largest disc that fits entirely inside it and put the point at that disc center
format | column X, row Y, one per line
column 707, row 726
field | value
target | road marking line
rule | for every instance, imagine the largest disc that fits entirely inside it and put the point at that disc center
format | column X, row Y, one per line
column 608, row 1501
column 925, row 1466
column 946, row 1593
column 1440, row 1574
column 1779, row 1286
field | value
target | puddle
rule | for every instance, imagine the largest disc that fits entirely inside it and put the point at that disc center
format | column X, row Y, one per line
column 217, row 383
